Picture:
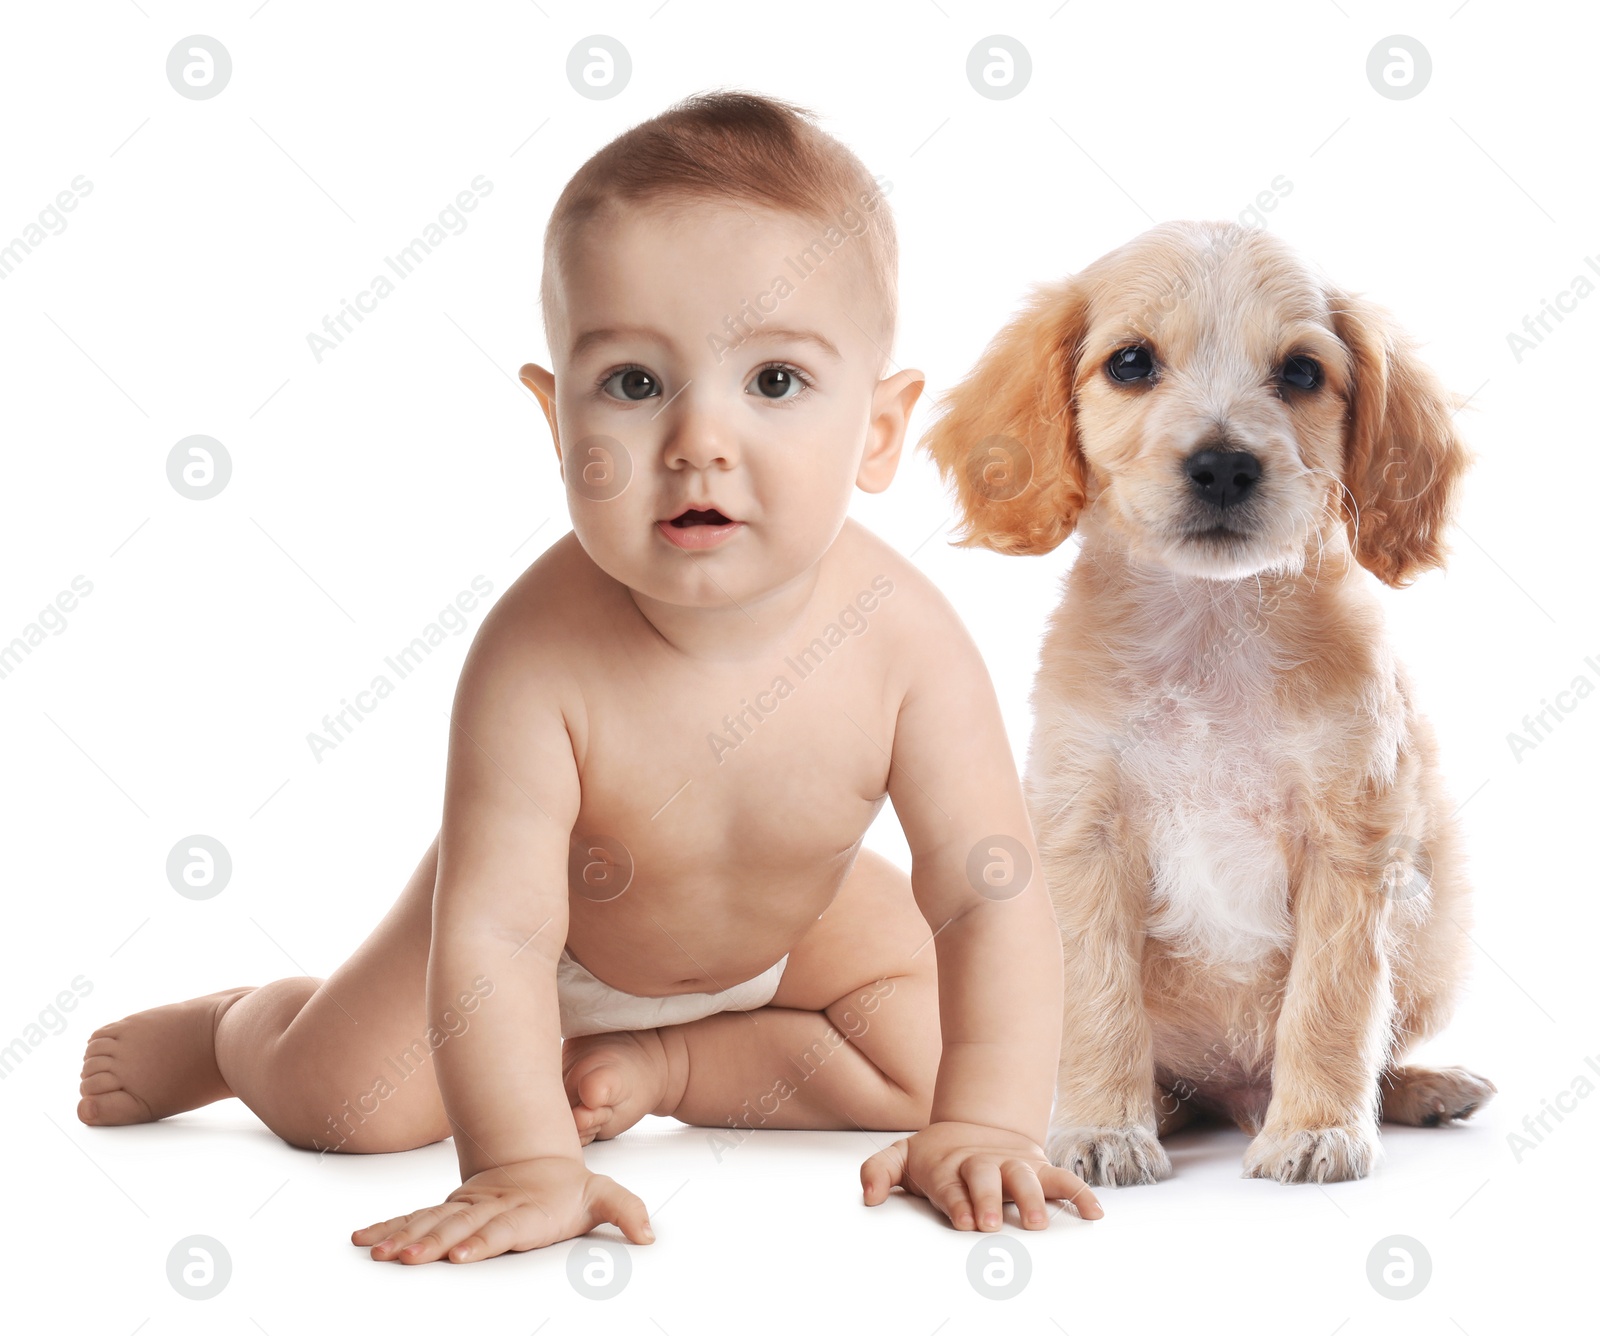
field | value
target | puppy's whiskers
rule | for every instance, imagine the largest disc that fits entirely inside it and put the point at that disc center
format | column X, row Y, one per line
column 1354, row 505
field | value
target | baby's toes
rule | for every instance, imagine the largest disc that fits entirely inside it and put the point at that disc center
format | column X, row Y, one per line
column 99, row 1083
column 617, row 1077
column 106, row 1101
column 101, row 1046
column 589, row 1122
column 97, row 1062
column 600, row 1088
column 112, row 1108
column 587, row 1119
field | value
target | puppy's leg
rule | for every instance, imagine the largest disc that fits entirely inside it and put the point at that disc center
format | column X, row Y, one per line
column 1332, row 1033
column 1432, row 962
column 1104, row 1124
column 1424, row 1097
column 1175, row 1109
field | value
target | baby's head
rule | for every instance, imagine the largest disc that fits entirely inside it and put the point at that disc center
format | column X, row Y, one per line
column 719, row 300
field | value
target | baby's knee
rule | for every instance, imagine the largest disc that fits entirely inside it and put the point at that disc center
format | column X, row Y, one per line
column 272, row 1009
column 353, row 1128
column 315, row 1103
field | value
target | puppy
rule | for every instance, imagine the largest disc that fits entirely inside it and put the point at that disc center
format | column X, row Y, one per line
column 1253, row 859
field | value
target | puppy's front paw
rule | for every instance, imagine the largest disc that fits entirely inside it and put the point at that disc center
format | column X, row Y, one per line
column 1312, row 1154
column 1109, row 1157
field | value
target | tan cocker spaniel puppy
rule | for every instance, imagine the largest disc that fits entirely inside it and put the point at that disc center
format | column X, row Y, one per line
column 1252, row 855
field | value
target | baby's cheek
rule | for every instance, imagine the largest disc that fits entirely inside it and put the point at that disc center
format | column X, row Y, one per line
column 617, row 539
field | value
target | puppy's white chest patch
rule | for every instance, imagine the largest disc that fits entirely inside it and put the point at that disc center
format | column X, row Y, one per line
column 1214, row 781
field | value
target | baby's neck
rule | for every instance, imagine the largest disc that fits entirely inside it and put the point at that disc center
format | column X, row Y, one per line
column 744, row 629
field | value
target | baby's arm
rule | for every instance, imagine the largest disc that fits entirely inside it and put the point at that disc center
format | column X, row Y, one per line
column 499, row 926
column 976, row 877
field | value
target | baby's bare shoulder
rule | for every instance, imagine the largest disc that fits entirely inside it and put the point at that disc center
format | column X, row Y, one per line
column 527, row 659
column 924, row 633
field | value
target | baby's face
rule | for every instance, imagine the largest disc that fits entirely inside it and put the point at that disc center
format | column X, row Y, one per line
column 710, row 427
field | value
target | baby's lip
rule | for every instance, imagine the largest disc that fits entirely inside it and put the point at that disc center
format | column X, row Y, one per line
column 700, row 529
column 691, row 515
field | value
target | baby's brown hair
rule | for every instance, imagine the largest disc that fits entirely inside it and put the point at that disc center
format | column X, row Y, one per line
column 741, row 148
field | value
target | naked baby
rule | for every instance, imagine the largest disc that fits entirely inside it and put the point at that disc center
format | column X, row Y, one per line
column 648, row 894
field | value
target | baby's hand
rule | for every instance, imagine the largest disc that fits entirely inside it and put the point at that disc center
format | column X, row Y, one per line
column 516, row 1207
column 962, row 1166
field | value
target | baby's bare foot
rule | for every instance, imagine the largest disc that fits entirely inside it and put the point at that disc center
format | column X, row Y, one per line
column 613, row 1080
column 155, row 1063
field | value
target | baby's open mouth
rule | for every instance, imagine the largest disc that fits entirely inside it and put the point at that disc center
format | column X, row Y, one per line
column 691, row 517
column 698, row 529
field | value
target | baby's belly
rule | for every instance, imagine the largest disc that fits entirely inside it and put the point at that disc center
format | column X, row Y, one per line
column 688, row 873
column 693, row 887
column 661, row 937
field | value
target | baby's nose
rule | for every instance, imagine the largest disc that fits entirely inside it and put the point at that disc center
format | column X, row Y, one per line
column 701, row 441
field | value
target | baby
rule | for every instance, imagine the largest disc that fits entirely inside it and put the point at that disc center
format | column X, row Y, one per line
column 648, row 893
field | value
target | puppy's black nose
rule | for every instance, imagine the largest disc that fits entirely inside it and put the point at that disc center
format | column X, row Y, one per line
column 1223, row 477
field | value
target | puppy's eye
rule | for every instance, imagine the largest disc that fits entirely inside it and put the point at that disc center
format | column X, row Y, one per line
column 1132, row 363
column 1301, row 372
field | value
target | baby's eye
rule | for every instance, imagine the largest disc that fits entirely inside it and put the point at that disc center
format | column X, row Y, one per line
column 636, row 383
column 779, row 382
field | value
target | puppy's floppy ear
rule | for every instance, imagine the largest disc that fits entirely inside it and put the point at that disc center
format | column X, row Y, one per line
column 1006, row 433
column 1403, row 459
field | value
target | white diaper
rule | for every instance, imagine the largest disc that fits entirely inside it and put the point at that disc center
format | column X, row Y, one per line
column 589, row 1006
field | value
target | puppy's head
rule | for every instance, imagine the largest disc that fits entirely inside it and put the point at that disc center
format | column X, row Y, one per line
column 1213, row 404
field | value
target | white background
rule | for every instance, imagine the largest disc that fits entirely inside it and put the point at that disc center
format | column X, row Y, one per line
column 370, row 488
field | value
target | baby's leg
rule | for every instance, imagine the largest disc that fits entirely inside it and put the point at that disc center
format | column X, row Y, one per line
column 341, row 1064
column 850, row 1040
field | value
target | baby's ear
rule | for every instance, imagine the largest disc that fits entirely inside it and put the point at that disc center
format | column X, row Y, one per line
column 1006, row 433
column 892, row 402
column 1403, row 460
column 543, row 385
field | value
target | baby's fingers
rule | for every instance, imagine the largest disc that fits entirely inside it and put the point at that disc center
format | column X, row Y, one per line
column 508, row 1231
column 1062, row 1185
column 448, row 1230
column 882, row 1171
column 364, row 1238
column 953, row 1200
column 611, row 1203
column 982, row 1177
column 392, row 1235
column 1023, row 1187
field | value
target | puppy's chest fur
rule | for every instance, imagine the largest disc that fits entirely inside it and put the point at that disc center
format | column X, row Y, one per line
column 1209, row 775
column 1217, row 771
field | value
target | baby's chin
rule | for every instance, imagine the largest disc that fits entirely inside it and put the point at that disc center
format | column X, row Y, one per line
column 739, row 574
column 712, row 580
